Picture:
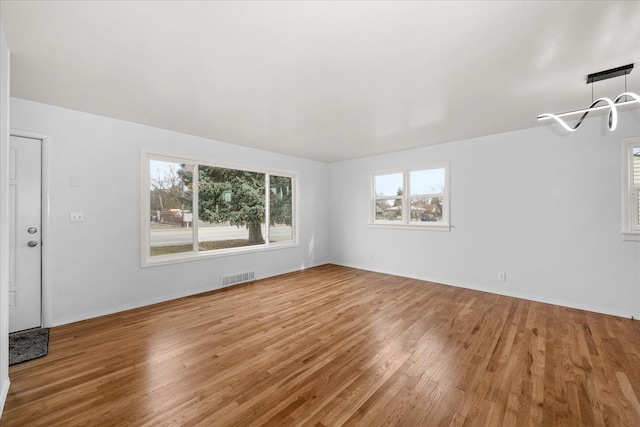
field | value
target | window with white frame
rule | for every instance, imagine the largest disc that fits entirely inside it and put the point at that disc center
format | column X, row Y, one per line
column 411, row 197
column 631, row 189
column 193, row 209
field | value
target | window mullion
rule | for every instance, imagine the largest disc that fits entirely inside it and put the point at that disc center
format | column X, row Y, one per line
column 416, row 196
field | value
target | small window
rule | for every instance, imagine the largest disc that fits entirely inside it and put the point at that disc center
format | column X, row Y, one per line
column 631, row 189
column 411, row 197
column 194, row 209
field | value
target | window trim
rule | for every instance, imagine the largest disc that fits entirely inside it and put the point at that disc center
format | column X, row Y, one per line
column 146, row 260
column 406, row 223
column 630, row 226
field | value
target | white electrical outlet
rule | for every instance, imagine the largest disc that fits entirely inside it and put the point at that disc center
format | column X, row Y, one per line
column 502, row 276
column 76, row 217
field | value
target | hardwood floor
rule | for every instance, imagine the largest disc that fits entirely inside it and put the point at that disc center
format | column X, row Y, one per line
column 335, row 346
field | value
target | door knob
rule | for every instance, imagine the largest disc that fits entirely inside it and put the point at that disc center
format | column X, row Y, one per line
column 32, row 243
column 32, row 230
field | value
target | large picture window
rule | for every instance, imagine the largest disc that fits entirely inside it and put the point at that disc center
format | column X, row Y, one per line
column 631, row 189
column 411, row 197
column 194, row 209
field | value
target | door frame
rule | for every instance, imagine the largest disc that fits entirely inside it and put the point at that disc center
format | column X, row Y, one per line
column 45, row 225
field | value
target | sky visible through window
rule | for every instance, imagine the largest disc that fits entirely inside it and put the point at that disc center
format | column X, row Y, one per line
column 161, row 168
column 388, row 185
column 429, row 181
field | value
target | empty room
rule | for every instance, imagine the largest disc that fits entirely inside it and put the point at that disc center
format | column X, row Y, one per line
column 319, row 213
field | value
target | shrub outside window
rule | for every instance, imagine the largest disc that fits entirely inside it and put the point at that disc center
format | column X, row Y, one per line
column 194, row 209
column 411, row 197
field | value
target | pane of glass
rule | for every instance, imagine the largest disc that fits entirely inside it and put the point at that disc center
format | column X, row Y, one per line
column 430, row 181
column 170, row 204
column 636, row 166
column 389, row 210
column 426, row 209
column 389, row 185
column 280, row 208
column 231, row 206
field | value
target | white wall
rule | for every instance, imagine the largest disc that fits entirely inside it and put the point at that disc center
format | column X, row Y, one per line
column 542, row 206
column 94, row 266
column 4, row 219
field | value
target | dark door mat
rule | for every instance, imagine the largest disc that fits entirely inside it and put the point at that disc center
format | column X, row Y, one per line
column 28, row 345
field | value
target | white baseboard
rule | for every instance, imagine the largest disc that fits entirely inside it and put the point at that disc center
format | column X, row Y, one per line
column 281, row 272
column 536, row 298
column 164, row 298
column 125, row 307
column 5, row 392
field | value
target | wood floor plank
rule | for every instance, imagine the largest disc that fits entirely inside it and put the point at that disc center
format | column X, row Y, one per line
column 334, row 346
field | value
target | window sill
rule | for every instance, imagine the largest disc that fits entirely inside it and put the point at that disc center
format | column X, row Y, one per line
column 631, row 236
column 421, row 227
column 190, row 256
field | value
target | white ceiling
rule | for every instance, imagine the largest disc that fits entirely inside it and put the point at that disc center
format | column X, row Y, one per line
column 321, row 80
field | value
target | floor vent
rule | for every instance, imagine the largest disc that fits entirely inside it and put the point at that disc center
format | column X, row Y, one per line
column 238, row 278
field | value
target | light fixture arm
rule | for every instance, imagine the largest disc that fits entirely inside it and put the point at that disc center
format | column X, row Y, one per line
column 613, row 115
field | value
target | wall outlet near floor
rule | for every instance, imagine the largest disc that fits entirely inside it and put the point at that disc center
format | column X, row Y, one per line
column 76, row 217
column 502, row 276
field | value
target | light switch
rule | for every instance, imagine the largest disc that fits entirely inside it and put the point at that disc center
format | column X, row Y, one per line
column 74, row 181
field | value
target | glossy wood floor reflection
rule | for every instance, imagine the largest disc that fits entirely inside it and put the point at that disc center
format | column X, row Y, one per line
column 335, row 346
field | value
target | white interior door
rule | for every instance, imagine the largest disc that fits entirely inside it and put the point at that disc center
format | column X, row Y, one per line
column 25, row 290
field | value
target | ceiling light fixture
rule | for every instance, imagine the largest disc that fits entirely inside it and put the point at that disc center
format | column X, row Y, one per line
column 600, row 103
